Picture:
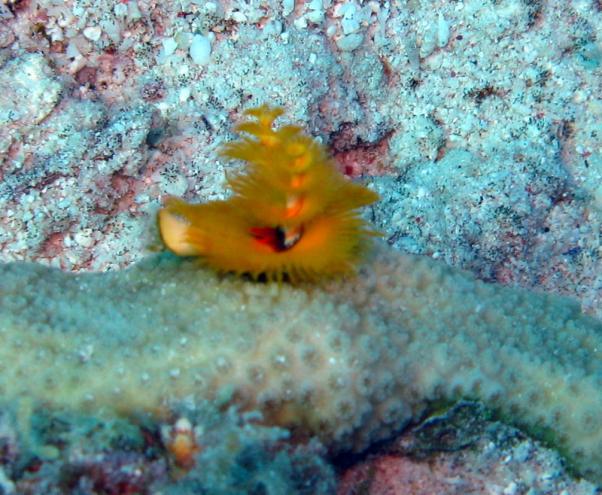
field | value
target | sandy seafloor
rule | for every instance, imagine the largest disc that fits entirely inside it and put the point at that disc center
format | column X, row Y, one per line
column 479, row 123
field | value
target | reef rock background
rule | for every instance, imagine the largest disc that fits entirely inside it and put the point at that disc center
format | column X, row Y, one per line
column 478, row 122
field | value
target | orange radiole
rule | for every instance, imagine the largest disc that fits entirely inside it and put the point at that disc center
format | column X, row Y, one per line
column 292, row 214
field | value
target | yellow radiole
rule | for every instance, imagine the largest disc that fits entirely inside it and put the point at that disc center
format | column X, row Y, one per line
column 292, row 216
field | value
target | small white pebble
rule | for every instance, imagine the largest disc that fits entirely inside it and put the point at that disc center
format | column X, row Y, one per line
column 346, row 10
column 315, row 16
column 442, row 31
column 210, row 7
column 200, row 49
column 83, row 239
column 184, row 39
column 350, row 25
column 374, row 7
column 300, row 23
column 287, row 7
column 184, row 94
column 350, row 42
column 169, row 46
column 429, row 41
column 72, row 51
column 238, row 17
column 133, row 11
column 120, row 10
column 272, row 28
column 92, row 33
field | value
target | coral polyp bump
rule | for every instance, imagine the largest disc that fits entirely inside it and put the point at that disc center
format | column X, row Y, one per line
column 292, row 214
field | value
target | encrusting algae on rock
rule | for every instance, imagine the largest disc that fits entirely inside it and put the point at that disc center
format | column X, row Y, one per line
column 349, row 362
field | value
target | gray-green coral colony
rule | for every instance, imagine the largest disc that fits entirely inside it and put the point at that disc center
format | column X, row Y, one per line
column 349, row 362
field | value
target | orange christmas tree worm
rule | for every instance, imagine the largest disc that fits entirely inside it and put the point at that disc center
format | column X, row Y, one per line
column 293, row 215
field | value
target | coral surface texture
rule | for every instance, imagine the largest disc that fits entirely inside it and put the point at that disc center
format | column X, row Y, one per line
column 348, row 362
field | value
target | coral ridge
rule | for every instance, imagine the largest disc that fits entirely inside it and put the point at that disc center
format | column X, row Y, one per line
column 348, row 361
